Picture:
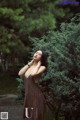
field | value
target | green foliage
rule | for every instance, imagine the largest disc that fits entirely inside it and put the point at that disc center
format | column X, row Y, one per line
column 40, row 16
column 11, row 45
column 45, row 22
column 20, row 88
column 62, row 80
column 11, row 14
column 21, row 19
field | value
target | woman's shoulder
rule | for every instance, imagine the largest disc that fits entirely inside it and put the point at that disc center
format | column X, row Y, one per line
column 42, row 68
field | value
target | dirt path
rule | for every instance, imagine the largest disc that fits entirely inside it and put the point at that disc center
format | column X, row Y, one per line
column 9, row 104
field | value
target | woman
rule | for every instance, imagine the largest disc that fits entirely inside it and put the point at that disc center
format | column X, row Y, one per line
column 34, row 101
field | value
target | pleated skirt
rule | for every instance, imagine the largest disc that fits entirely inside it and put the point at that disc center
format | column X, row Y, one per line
column 34, row 107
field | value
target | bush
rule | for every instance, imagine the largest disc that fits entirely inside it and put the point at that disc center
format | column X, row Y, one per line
column 62, row 81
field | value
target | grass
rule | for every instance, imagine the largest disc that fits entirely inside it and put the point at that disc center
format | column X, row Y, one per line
column 8, row 84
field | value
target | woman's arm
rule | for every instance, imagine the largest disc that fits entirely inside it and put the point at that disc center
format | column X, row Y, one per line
column 25, row 68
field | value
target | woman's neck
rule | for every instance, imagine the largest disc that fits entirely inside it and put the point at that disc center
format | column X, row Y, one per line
column 35, row 62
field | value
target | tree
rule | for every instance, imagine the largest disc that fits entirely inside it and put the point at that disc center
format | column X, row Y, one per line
column 20, row 19
column 11, row 45
column 61, row 84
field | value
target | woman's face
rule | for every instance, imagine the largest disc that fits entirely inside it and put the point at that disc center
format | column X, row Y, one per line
column 37, row 56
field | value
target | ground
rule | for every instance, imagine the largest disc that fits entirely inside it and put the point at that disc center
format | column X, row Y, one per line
column 9, row 104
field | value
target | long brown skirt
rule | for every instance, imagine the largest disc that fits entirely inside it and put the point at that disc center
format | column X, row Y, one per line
column 34, row 101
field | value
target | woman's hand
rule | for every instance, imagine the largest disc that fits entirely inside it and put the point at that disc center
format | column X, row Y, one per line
column 30, row 63
column 36, row 68
column 39, row 64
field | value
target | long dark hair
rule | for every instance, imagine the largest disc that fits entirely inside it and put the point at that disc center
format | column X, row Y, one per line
column 44, row 58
